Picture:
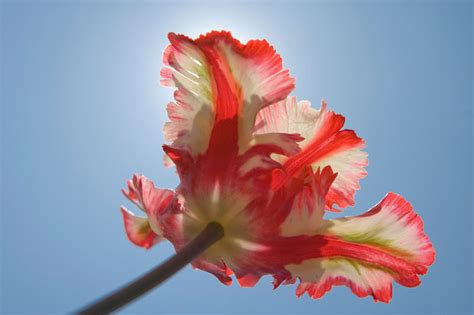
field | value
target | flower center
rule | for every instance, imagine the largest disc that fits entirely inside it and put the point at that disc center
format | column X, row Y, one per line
column 224, row 207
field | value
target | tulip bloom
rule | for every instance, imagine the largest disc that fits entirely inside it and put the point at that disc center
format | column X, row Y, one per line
column 266, row 168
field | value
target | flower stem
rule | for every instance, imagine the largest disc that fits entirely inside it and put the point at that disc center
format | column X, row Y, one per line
column 115, row 300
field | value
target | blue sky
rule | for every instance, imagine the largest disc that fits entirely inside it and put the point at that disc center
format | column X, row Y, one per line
column 82, row 110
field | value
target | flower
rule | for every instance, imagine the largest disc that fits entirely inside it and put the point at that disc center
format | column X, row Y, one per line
column 267, row 167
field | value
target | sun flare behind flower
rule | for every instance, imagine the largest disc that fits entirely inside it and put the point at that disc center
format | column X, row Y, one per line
column 266, row 167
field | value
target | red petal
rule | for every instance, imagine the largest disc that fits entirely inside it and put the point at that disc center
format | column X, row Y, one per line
column 219, row 270
column 307, row 210
column 222, row 84
column 153, row 201
column 364, row 252
column 138, row 230
column 325, row 144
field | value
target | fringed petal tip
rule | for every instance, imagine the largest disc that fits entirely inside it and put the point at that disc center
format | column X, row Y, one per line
column 317, row 291
column 135, row 189
column 266, row 72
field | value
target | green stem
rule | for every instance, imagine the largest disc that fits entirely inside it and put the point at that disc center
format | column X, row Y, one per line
column 211, row 234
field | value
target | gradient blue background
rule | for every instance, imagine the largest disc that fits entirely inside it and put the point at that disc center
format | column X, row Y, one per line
column 82, row 110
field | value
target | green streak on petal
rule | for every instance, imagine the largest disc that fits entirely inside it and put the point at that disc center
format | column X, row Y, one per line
column 144, row 228
column 354, row 264
column 371, row 240
column 367, row 238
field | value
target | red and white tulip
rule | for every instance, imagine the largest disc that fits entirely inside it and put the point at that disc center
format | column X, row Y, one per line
column 267, row 167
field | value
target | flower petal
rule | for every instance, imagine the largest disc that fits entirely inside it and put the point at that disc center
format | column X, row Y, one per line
column 188, row 71
column 307, row 210
column 366, row 252
column 138, row 230
column 153, row 201
column 222, row 84
column 324, row 144
column 219, row 270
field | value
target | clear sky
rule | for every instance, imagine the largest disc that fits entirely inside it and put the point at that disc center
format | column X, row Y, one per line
column 82, row 110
